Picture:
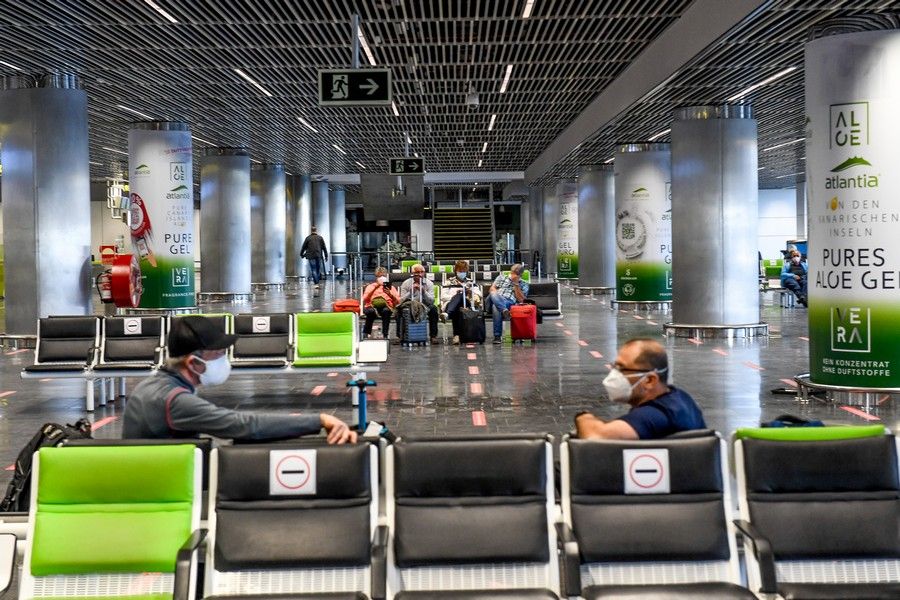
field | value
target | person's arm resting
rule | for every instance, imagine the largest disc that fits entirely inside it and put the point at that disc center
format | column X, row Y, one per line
column 590, row 427
column 193, row 414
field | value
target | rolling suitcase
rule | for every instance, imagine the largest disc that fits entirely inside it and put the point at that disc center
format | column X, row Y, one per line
column 523, row 322
column 472, row 328
column 346, row 305
column 411, row 332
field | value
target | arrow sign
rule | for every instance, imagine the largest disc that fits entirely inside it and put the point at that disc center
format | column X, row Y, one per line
column 354, row 87
column 407, row 166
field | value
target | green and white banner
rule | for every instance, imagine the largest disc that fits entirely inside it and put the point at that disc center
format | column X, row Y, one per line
column 567, row 232
column 162, row 215
column 853, row 183
column 643, row 192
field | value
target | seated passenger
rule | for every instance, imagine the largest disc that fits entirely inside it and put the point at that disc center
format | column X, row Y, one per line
column 165, row 405
column 451, row 296
column 506, row 291
column 379, row 299
column 793, row 276
column 411, row 290
column 638, row 378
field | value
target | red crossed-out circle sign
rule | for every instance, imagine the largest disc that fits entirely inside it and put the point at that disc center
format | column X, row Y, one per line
column 645, row 471
column 262, row 323
column 292, row 472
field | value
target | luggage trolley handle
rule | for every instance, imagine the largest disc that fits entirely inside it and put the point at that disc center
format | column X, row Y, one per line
column 361, row 385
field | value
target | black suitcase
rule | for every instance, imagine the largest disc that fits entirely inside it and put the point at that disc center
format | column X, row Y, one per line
column 412, row 333
column 472, row 330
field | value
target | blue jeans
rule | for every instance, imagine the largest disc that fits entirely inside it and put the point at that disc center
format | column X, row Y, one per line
column 498, row 305
column 796, row 286
column 315, row 264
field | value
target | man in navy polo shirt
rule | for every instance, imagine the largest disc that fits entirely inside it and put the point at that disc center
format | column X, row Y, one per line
column 639, row 379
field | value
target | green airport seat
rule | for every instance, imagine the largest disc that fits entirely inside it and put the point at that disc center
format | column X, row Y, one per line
column 406, row 265
column 809, row 434
column 325, row 339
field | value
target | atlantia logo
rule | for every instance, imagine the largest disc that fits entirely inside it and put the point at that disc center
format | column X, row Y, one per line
column 864, row 180
column 640, row 193
column 141, row 171
column 178, row 193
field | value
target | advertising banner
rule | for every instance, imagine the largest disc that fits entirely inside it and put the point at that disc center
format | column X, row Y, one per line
column 854, row 209
column 567, row 232
column 643, row 192
column 162, row 215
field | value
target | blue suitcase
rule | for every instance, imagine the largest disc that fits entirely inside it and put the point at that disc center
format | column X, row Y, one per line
column 412, row 333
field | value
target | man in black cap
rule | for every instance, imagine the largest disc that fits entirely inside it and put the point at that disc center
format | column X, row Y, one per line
column 315, row 251
column 166, row 405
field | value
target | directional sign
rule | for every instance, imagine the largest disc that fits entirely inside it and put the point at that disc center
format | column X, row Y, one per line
column 354, row 87
column 407, row 166
column 646, row 471
column 292, row 472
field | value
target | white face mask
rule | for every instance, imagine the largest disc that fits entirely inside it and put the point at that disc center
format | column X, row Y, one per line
column 796, row 260
column 217, row 370
column 462, row 275
column 618, row 387
column 382, row 279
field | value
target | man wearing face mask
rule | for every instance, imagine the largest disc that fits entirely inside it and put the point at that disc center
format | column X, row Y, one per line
column 638, row 378
column 419, row 287
column 793, row 276
column 166, row 405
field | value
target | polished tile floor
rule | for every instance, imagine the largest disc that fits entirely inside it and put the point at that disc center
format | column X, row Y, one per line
column 451, row 390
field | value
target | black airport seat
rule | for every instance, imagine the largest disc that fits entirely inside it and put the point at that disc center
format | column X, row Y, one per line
column 66, row 344
column 821, row 519
column 295, row 520
column 648, row 519
column 470, row 518
column 131, row 344
column 546, row 298
column 263, row 340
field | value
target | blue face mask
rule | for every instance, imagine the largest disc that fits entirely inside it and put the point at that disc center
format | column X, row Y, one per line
column 462, row 275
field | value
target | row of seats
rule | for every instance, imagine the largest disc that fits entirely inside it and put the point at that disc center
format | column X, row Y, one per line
column 473, row 518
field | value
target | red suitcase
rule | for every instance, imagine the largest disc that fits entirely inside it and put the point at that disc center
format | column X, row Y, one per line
column 523, row 322
column 346, row 305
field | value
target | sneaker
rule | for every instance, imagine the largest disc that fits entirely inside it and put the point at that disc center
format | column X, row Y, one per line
column 443, row 317
column 498, row 340
column 435, row 341
column 456, row 340
column 505, row 314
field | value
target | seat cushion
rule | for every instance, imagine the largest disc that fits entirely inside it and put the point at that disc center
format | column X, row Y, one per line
column 479, row 595
column 685, row 591
column 238, row 364
column 311, row 596
column 75, row 369
column 839, row 591
column 125, row 367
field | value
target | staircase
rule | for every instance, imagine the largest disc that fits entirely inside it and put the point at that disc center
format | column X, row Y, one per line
column 463, row 233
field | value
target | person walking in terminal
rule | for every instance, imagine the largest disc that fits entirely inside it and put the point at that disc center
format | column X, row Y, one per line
column 379, row 299
column 410, row 290
column 452, row 296
column 793, row 276
column 638, row 378
column 166, row 405
column 316, row 253
column 506, row 291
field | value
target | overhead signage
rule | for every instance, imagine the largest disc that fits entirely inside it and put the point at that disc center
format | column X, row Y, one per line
column 354, row 87
column 407, row 166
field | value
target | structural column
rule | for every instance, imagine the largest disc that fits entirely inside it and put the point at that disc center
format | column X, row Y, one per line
column 802, row 210
column 338, row 218
column 302, row 186
column 567, row 230
column 536, row 221
column 551, row 229
column 596, row 229
column 714, row 217
column 225, row 223
column 267, row 223
column 321, row 215
column 46, row 200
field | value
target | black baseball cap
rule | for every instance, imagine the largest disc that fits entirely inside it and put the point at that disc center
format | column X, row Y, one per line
column 193, row 333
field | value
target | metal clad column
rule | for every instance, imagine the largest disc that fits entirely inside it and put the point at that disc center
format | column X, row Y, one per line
column 853, row 186
column 338, row 229
column 267, row 231
column 321, row 215
column 536, row 222
column 643, row 225
column 225, row 223
column 46, row 200
column 596, row 229
column 551, row 226
column 302, row 220
column 567, row 230
column 160, row 163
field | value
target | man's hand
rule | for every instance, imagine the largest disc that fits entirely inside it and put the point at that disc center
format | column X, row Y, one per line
column 797, row 277
column 338, row 431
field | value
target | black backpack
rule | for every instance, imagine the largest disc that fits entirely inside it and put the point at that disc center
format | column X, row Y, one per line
column 18, row 493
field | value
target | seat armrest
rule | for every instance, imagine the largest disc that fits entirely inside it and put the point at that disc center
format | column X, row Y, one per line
column 571, row 560
column 290, row 353
column 762, row 551
column 7, row 560
column 159, row 353
column 379, row 563
column 92, row 355
column 183, row 564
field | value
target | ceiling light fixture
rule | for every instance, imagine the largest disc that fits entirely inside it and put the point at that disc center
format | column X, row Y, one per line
column 484, row 148
column 253, row 160
column 113, row 150
column 526, row 12
column 394, row 108
column 506, row 79
column 253, row 82
column 609, row 160
column 96, row 163
column 160, row 10
column 366, row 49
column 797, row 141
column 659, row 135
column 416, row 154
column 338, row 148
column 491, row 124
column 11, row 66
column 361, row 165
column 408, row 140
column 308, row 126
column 135, row 112
column 202, row 141
column 479, row 162
column 777, row 75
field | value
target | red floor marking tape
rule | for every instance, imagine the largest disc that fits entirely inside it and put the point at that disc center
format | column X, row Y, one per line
column 804, row 338
column 470, row 345
column 471, row 356
column 476, row 388
column 860, row 413
column 18, row 351
column 558, row 324
column 473, row 370
column 884, row 399
column 753, row 365
column 567, row 332
column 318, row 390
column 582, row 343
column 720, row 351
column 652, row 322
column 5, row 394
column 638, row 317
column 789, row 382
column 44, row 380
column 11, row 467
column 332, row 374
column 596, row 354
column 695, row 341
column 102, row 422
column 478, row 418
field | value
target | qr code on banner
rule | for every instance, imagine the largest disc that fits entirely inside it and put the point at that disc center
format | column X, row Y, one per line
column 628, row 231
